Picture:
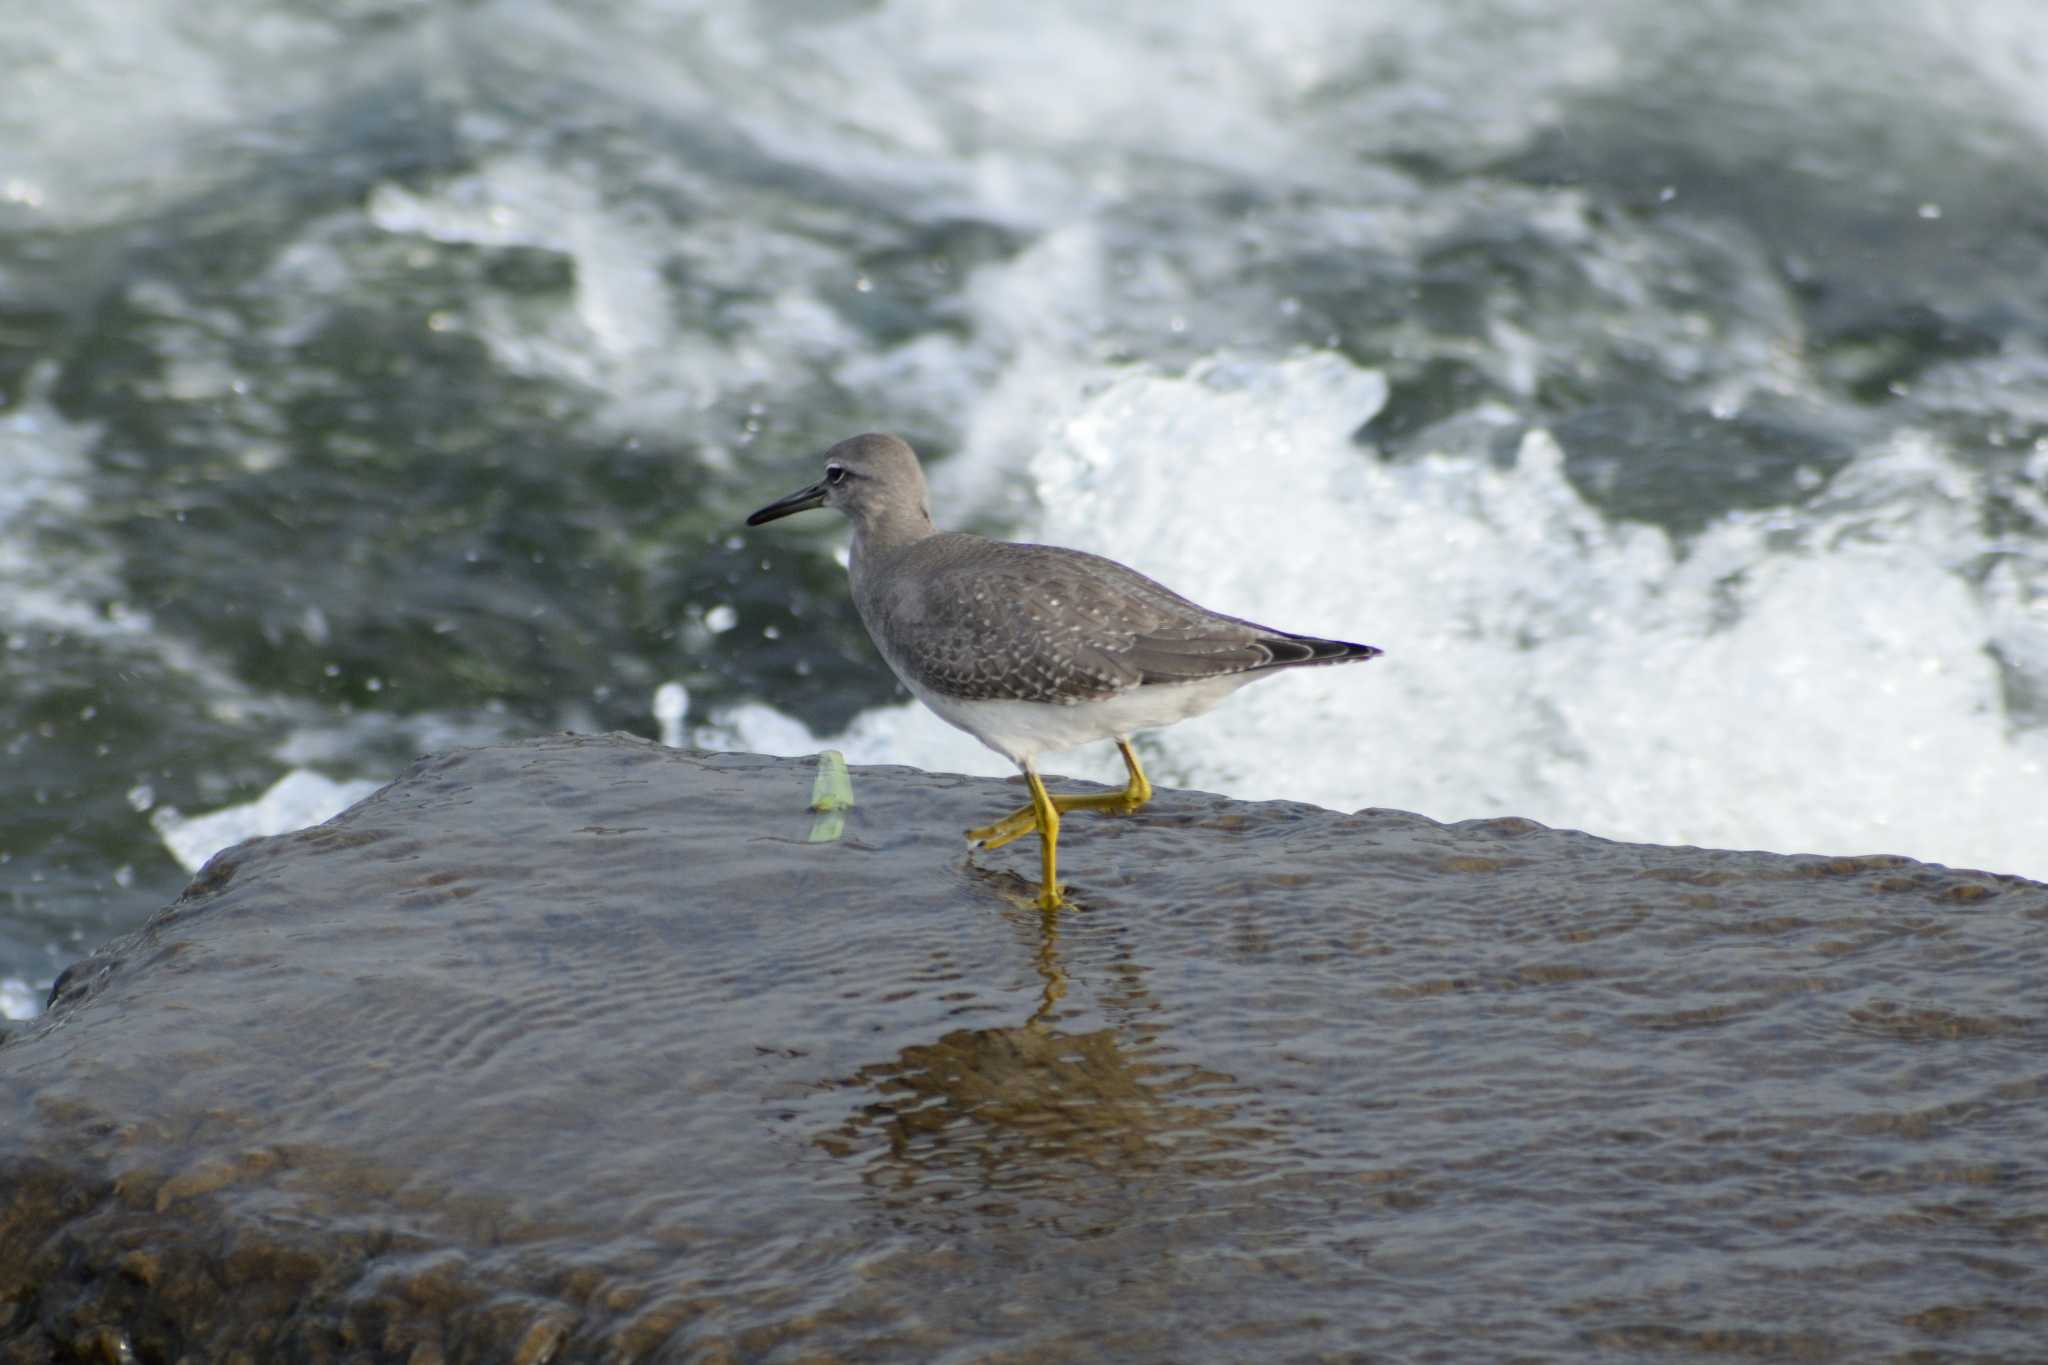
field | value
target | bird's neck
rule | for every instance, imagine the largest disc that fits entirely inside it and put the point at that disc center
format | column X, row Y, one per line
column 892, row 530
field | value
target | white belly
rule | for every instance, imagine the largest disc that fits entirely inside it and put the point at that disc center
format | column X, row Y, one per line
column 1021, row 730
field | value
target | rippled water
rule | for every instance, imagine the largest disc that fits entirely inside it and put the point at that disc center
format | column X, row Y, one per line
column 585, row 1042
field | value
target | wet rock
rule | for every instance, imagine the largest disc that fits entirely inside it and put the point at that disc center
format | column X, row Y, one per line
column 582, row 1050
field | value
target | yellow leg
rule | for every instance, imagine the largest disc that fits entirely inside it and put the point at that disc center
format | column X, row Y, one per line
column 1023, row 821
column 1048, row 839
column 1139, row 791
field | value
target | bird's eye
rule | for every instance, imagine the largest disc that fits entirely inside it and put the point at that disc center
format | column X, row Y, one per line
column 835, row 473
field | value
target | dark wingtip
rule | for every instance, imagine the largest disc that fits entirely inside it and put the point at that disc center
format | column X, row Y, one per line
column 1309, row 649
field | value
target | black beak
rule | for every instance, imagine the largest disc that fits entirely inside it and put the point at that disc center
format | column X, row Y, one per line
column 803, row 500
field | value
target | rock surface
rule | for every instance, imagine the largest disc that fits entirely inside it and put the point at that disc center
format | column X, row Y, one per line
column 579, row 1050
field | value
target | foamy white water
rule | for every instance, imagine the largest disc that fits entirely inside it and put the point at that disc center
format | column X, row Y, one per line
column 19, row 999
column 300, row 798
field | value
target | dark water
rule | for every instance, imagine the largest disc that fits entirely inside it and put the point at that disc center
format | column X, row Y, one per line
column 582, row 1043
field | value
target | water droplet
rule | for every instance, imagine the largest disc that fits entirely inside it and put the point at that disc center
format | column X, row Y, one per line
column 671, row 704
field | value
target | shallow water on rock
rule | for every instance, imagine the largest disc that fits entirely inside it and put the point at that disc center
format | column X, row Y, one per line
column 580, row 1049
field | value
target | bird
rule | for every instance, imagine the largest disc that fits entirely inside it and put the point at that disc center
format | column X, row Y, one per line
column 1032, row 648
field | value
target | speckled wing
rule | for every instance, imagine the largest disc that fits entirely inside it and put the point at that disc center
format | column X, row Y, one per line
column 998, row 621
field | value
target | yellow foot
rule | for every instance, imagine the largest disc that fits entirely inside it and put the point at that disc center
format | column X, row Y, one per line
column 1019, row 823
column 1015, row 825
